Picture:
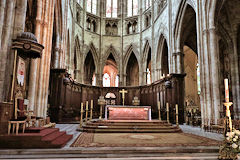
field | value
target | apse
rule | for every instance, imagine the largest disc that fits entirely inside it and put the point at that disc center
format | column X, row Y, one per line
column 110, row 73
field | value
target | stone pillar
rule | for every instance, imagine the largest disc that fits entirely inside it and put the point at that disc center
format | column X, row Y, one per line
column 179, row 60
column 214, row 60
column 6, row 35
column 206, row 81
column 34, row 62
column 2, row 9
column 235, row 78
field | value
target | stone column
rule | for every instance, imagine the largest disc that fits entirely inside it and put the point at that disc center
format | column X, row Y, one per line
column 6, row 35
column 179, row 59
column 206, row 81
column 2, row 9
column 235, row 77
column 34, row 62
column 214, row 60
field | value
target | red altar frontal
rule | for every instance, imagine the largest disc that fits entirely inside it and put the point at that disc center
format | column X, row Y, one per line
column 118, row 112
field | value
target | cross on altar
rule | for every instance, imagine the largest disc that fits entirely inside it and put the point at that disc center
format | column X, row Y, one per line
column 123, row 92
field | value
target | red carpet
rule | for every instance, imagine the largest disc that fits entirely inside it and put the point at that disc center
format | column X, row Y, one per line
column 35, row 138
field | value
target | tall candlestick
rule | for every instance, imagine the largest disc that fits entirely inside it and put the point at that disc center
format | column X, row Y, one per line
column 176, row 108
column 87, row 105
column 159, row 111
column 168, row 113
column 226, row 90
column 158, row 105
column 91, row 110
column 81, row 107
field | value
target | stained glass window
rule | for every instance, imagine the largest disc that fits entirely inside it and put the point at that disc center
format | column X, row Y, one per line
column 92, row 6
column 111, row 8
column 132, row 7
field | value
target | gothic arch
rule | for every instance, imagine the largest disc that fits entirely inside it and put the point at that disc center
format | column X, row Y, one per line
column 161, row 49
column 130, row 50
column 93, row 50
column 110, row 50
column 179, row 23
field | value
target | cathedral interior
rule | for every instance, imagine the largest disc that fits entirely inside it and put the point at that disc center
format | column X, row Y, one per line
column 175, row 62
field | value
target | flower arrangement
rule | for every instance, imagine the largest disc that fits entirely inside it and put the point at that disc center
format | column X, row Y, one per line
column 231, row 145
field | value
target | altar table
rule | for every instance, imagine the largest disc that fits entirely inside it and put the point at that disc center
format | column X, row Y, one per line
column 119, row 112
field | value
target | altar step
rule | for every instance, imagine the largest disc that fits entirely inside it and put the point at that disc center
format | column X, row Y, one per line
column 119, row 126
column 36, row 138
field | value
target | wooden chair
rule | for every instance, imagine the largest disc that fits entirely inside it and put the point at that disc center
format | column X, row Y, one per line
column 19, row 117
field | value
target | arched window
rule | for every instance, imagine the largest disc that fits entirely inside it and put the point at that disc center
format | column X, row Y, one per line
column 116, row 81
column 149, row 81
column 148, row 3
column 132, row 7
column 111, row 8
column 92, row 6
column 94, row 80
column 106, row 80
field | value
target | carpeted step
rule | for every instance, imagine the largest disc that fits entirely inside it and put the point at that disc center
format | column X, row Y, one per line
column 34, row 129
column 62, row 140
column 53, row 136
column 132, row 131
column 48, row 131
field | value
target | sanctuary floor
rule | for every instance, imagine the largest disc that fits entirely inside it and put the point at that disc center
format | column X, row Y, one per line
column 119, row 153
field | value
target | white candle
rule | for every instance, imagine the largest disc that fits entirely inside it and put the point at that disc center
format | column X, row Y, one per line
column 91, row 104
column 158, row 105
column 167, row 107
column 87, row 105
column 226, row 90
column 176, row 108
column 81, row 107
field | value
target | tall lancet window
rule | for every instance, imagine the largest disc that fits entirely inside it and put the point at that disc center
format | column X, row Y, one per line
column 149, row 81
column 148, row 3
column 92, row 6
column 106, row 80
column 132, row 8
column 111, row 8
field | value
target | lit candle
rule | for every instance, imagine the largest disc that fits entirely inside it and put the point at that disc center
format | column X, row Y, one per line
column 91, row 104
column 167, row 107
column 81, row 107
column 87, row 105
column 176, row 108
column 158, row 105
column 226, row 90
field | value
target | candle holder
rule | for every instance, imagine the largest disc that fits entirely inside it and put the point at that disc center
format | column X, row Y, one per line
column 167, row 113
column 228, row 117
column 81, row 115
column 91, row 110
column 86, row 111
column 101, row 102
column 159, row 111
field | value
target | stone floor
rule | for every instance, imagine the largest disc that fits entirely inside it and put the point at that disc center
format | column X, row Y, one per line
column 71, row 129
column 78, row 153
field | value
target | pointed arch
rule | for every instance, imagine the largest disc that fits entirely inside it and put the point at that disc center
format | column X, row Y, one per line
column 162, row 58
column 179, row 23
column 91, row 48
column 131, row 49
column 132, row 71
column 110, row 50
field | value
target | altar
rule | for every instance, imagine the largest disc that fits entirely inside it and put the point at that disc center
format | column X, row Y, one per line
column 119, row 112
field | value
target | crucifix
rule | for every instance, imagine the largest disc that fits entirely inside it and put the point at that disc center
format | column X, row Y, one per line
column 123, row 92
